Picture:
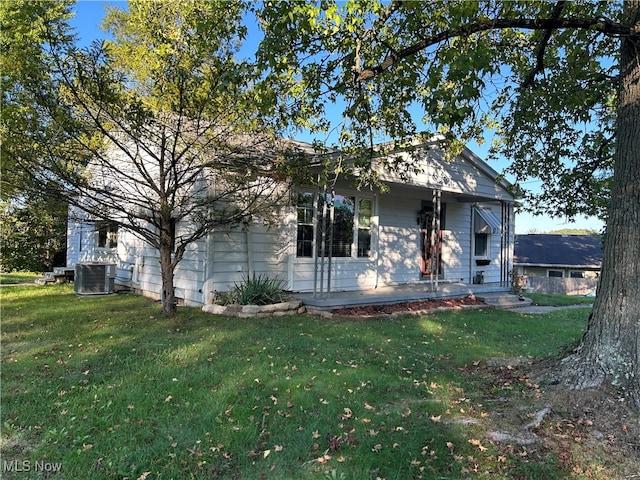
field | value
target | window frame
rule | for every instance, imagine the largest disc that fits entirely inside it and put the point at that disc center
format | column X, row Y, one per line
column 487, row 241
column 356, row 246
column 106, row 235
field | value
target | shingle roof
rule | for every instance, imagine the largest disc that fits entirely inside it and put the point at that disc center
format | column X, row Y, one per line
column 558, row 250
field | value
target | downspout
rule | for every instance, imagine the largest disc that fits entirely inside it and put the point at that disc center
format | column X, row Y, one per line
column 250, row 256
column 208, row 295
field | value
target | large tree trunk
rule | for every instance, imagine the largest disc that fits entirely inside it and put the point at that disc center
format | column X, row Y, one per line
column 168, row 293
column 610, row 349
column 167, row 267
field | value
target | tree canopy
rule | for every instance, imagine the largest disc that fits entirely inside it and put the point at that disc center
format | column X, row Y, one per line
column 541, row 76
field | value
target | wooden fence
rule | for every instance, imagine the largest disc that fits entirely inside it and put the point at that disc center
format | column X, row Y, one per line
column 563, row 286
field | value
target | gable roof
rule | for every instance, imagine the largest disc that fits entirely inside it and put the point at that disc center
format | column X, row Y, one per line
column 425, row 164
column 554, row 250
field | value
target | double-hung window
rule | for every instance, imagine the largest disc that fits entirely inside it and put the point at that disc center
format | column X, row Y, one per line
column 107, row 234
column 364, row 227
column 305, row 209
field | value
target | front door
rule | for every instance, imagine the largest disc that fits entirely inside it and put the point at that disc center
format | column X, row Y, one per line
column 430, row 239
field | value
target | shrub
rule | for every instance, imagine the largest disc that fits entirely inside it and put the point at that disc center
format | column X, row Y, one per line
column 257, row 290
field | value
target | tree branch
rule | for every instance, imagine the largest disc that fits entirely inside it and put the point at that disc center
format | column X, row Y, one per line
column 604, row 26
column 542, row 46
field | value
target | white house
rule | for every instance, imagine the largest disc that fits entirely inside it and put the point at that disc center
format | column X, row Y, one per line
column 444, row 221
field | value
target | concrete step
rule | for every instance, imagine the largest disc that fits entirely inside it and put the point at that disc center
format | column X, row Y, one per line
column 505, row 301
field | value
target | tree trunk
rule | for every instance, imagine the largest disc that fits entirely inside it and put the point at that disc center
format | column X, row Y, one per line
column 167, row 269
column 610, row 348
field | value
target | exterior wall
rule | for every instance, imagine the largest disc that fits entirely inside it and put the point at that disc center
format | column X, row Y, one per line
column 561, row 286
column 566, row 271
column 235, row 255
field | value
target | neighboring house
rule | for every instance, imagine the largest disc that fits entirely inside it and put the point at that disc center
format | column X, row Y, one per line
column 443, row 221
column 574, row 257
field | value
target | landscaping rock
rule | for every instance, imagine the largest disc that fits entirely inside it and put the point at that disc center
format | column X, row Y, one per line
column 281, row 309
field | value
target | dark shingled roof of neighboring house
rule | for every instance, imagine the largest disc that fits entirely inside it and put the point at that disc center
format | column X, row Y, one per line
column 558, row 250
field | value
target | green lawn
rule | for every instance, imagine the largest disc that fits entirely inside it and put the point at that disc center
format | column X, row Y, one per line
column 110, row 389
column 14, row 278
column 554, row 300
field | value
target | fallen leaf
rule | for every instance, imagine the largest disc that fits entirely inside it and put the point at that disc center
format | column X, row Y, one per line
column 278, row 448
column 266, row 453
column 477, row 443
column 377, row 448
column 435, row 419
column 168, row 399
column 334, row 441
column 144, row 476
column 315, row 434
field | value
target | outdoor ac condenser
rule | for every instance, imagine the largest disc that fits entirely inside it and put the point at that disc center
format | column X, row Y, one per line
column 94, row 278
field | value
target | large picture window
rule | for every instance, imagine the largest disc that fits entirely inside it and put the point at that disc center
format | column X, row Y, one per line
column 351, row 226
column 343, row 221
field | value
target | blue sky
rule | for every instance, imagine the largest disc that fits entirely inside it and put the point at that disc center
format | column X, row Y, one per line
column 89, row 14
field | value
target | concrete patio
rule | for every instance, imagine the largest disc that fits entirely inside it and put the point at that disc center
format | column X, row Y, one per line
column 494, row 295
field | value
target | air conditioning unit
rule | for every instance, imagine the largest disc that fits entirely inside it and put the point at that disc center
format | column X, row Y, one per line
column 94, row 278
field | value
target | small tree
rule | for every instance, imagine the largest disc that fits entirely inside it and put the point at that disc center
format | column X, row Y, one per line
column 157, row 130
